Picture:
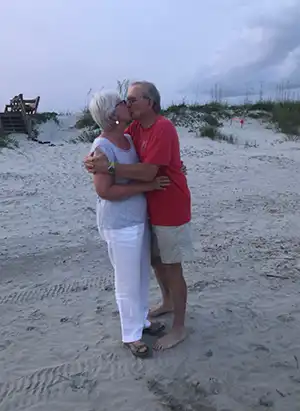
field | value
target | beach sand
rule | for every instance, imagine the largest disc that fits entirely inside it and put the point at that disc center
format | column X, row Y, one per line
column 59, row 327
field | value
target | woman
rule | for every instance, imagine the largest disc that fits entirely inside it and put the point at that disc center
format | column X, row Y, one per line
column 122, row 221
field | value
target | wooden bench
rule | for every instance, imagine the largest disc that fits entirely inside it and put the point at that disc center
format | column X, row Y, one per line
column 17, row 116
column 30, row 105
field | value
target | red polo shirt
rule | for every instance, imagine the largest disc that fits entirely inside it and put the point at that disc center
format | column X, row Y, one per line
column 159, row 145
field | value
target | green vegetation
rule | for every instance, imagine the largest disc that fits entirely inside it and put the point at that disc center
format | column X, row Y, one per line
column 40, row 118
column 214, row 134
column 286, row 117
column 87, row 136
column 204, row 119
column 86, row 120
column 209, row 108
column 6, row 141
column 283, row 116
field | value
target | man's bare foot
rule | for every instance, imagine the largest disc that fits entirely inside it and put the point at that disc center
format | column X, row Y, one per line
column 160, row 309
column 174, row 337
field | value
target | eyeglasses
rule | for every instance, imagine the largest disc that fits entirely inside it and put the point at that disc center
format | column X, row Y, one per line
column 132, row 100
column 121, row 102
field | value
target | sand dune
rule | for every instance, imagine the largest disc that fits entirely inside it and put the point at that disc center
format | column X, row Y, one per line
column 59, row 327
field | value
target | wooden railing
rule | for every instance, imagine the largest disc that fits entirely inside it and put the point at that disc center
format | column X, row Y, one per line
column 26, row 108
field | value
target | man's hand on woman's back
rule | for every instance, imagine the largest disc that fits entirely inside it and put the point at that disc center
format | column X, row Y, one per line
column 183, row 168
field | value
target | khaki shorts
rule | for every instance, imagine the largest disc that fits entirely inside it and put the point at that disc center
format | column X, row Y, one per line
column 171, row 244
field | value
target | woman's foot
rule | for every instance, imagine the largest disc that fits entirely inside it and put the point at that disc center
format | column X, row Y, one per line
column 154, row 329
column 174, row 337
column 138, row 349
column 160, row 309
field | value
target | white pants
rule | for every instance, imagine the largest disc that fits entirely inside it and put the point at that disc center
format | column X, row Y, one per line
column 129, row 253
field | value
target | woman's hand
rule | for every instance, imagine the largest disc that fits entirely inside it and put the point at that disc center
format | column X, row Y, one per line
column 160, row 183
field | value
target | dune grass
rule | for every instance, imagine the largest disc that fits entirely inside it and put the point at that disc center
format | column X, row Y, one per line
column 283, row 116
column 40, row 118
column 214, row 133
column 206, row 119
column 86, row 120
column 6, row 141
column 87, row 135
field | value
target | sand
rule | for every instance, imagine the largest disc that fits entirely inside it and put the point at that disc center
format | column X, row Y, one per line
column 59, row 327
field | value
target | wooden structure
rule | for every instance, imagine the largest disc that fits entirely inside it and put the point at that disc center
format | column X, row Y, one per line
column 17, row 116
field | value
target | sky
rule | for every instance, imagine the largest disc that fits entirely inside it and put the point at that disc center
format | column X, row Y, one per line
column 62, row 49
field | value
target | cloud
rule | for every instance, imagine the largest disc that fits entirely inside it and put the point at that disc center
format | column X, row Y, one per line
column 267, row 50
column 61, row 49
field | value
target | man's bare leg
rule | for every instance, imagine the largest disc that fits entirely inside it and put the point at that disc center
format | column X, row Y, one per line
column 176, row 283
column 166, row 306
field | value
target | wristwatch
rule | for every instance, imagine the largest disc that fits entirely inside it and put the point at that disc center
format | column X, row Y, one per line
column 111, row 168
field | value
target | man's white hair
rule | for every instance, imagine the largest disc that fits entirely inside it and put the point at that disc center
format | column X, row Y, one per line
column 102, row 107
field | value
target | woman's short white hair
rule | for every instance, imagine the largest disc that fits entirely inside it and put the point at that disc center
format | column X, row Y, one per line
column 102, row 107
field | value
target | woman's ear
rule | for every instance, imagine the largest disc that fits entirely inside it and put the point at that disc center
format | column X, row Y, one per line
column 112, row 119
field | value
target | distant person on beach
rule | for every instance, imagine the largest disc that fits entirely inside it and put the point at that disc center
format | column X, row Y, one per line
column 240, row 120
column 157, row 144
column 122, row 220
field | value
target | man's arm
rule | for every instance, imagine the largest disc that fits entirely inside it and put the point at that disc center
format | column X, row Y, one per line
column 107, row 190
column 99, row 163
column 139, row 171
column 158, row 154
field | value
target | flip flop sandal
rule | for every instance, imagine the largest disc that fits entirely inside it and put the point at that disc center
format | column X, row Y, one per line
column 161, row 313
column 155, row 328
column 138, row 349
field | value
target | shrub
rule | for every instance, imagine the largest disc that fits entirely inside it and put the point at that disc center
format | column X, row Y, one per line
column 213, row 107
column 86, row 120
column 267, row 106
column 208, row 131
column 214, row 134
column 175, row 109
column 40, row 118
column 254, row 115
column 195, row 108
column 286, row 117
column 211, row 120
column 6, row 141
column 87, row 136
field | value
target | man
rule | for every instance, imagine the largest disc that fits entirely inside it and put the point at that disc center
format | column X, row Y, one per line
column 157, row 144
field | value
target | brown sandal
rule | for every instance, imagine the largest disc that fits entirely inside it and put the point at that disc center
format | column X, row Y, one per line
column 155, row 328
column 138, row 349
